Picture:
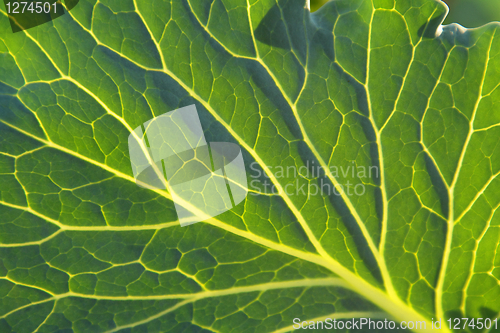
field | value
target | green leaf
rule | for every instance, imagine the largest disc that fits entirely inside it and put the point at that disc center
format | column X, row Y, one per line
column 401, row 111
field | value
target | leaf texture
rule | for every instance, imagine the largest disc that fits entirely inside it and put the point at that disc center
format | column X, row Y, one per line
column 374, row 85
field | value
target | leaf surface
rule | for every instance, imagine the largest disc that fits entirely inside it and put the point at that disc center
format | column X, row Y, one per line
column 376, row 94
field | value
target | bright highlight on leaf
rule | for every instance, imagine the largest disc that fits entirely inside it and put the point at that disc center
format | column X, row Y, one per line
column 358, row 85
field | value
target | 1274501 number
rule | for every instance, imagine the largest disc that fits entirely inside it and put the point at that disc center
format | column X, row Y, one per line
column 477, row 323
column 31, row 7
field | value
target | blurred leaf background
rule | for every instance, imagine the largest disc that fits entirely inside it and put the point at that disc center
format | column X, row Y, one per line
column 469, row 13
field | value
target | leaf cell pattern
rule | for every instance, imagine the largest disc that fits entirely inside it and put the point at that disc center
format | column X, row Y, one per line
column 375, row 85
